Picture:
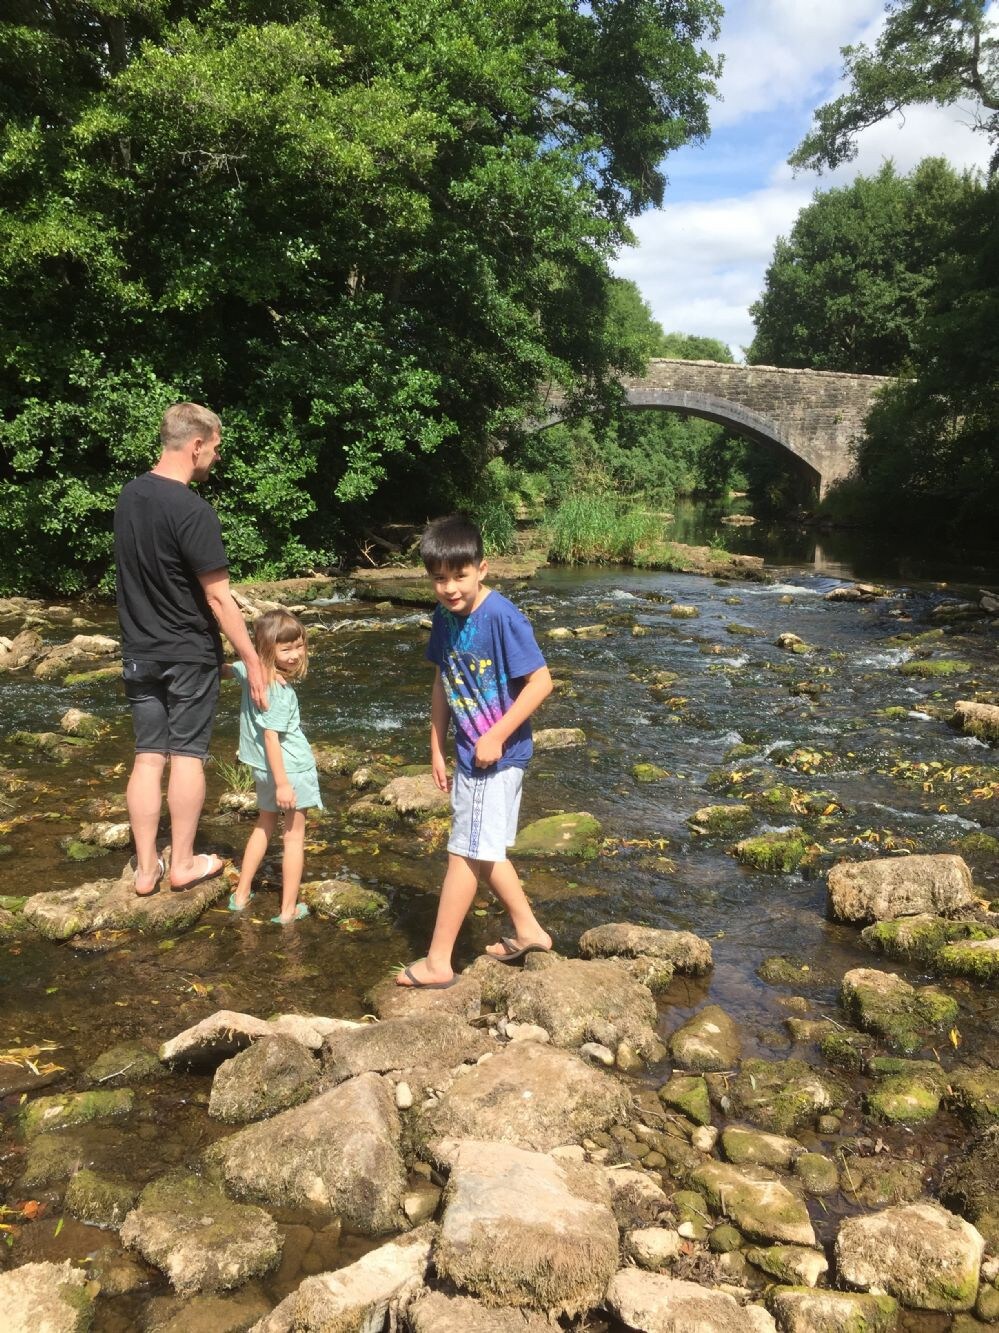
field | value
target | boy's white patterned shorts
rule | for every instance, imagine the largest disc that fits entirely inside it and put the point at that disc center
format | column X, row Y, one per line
column 484, row 811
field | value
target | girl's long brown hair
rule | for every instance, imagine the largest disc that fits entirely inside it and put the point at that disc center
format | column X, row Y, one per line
column 279, row 626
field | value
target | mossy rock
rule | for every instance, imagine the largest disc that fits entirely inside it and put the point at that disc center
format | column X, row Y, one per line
column 741, row 751
column 846, row 1049
column 977, row 959
column 904, row 1099
column 337, row 760
column 974, row 1095
column 344, row 900
column 89, row 677
column 128, row 1062
column 781, row 970
column 576, row 835
column 74, row 1108
column 81, row 851
column 747, row 631
column 784, row 1095
column 970, row 1183
column 929, row 668
column 679, row 611
column 881, row 1179
column 692, row 1209
column 919, row 939
column 902, row 1015
column 725, row 1239
column 721, row 821
column 818, row 1174
column 974, row 846
column 777, row 853
column 688, row 1093
column 99, row 1200
column 51, row 1159
column 648, row 773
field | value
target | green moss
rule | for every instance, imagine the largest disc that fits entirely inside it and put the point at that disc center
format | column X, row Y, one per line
column 741, row 751
column 818, row 1174
column 648, row 773
column 721, row 820
column 974, row 1095
column 903, row 1099
column 780, row 970
column 929, row 668
column 845, row 1049
column 966, row 960
column 902, row 1016
column 74, row 1108
column 978, row 844
column 692, row 1207
column 748, row 631
column 12, row 902
column 99, row 1200
column 779, row 853
column 128, row 1062
column 679, row 612
column 920, row 938
column 561, row 835
column 783, row 1095
column 689, row 1094
column 81, row 851
column 88, row 677
column 342, row 900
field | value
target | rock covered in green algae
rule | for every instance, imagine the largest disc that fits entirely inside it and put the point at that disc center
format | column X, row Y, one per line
column 889, row 887
column 721, row 821
column 846, row 1049
column 50, row 1298
column 128, row 1062
column 789, row 1263
column 802, row 1310
column 970, row 1183
column 99, row 1200
column 780, row 853
column 885, row 1004
column 754, row 1147
column 343, row 900
column 709, row 1041
column 52, row 1159
column 689, row 1094
column 923, row 1255
column 818, row 1174
column 974, row 1095
column 74, row 722
column 560, row 835
column 907, row 1093
column 882, row 1179
column 928, row 668
column 756, row 1201
column 200, row 1239
column 783, row 1095
column 693, row 1213
column 74, row 1108
column 680, row 611
column 920, row 938
column 648, row 773
column 977, row 959
column 269, row 1076
column 781, row 970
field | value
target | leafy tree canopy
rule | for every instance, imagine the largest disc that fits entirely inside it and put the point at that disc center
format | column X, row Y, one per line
column 848, row 288
column 929, row 51
column 364, row 232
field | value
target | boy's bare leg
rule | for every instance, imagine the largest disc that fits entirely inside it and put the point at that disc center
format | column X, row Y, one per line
column 457, row 893
column 293, row 861
column 505, row 883
column 144, row 798
column 254, row 853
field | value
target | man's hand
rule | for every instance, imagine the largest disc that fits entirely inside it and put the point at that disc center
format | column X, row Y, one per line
column 257, row 682
column 488, row 749
column 438, row 766
column 285, row 796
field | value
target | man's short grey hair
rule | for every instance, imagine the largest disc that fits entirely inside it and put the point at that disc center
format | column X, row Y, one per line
column 183, row 421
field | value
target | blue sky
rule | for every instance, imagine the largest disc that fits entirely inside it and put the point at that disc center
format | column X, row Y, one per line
column 701, row 259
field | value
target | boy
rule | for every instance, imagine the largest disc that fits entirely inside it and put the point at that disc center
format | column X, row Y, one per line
column 490, row 677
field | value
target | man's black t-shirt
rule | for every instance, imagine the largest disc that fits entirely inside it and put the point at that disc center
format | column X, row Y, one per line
column 164, row 536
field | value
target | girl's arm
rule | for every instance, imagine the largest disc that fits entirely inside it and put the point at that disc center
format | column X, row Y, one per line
column 284, row 791
column 440, row 715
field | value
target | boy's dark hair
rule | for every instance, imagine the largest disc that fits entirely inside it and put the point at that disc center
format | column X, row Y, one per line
column 451, row 543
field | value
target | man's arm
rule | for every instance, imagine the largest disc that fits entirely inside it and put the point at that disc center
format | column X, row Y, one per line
column 215, row 583
column 440, row 715
column 537, row 687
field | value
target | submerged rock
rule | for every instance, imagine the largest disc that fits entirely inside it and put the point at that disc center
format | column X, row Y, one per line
column 708, row 1042
column 99, row 1200
column 520, row 1228
column 45, row 1298
column 560, row 835
column 784, row 1095
column 532, row 1095
column 343, row 899
column 199, row 1238
column 920, row 1253
column 272, row 1074
column 659, row 1304
column 891, row 887
column 782, row 853
column 339, row 1151
column 885, row 1004
column 358, row 1298
column 74, row 1108
column 721, row 821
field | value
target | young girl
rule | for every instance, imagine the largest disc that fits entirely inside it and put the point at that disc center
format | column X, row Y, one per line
column 284, row 770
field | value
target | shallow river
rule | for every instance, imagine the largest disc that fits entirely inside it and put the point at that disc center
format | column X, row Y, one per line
column 369, row 687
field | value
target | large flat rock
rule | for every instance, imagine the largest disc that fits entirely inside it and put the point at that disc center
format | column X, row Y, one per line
column 889, row 887
column 577, row 1001
column 757, row 1202
column 923, row 1255
column 429, row 1040
column 620, row 939
column 655, row 1303
column 112, row 904
column 520, row 1228
column 340, row 1151
column 45, row 1298
column 530, row 1094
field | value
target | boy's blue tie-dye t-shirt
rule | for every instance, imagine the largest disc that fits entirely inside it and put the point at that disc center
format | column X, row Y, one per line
column 483, row 658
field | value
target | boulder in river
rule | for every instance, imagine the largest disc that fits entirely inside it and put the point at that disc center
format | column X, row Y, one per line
column 923, row 1255
column 533, row 1095
column 708, row 1042
column 559, row 738
column 782, row 1095
column 656, row 1303
column 339, row 1151
column 359, row 1297
column 26, row 647
column 885, row 1004
column 272, row 1074
column 802, row 1310
column 979, row 720
column 343, row 900
column 920, row 938
column 757, row 1202
column 202, row 1241
column 416, row 796
column 560, row 835
column 686, row 952
column 420, row 1041
column 889, row 887
column 520, row 1228
column 464, row 998
column 81, row 648
column 45, row 1298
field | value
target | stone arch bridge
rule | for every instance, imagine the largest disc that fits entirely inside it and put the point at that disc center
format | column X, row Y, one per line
column 814, row 415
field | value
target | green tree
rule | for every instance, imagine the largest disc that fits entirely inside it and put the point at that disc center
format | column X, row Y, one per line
column 365, row 232
column 848, row 288
column 694, row 347
column 929, row 51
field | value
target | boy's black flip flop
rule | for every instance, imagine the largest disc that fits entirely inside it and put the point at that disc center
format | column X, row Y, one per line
column 514, row 952
column 416, row 984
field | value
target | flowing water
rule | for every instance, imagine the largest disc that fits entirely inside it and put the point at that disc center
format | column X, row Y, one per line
column 817, row 722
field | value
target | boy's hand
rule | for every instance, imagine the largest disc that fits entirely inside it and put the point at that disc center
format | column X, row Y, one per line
column 438, row 767
column 285, row 795
column 488, row 750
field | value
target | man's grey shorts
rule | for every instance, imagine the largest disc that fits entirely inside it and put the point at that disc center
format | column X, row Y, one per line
column 484, row 811
column 173, row 705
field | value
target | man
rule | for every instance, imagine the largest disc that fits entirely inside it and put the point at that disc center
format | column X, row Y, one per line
column 173, row 596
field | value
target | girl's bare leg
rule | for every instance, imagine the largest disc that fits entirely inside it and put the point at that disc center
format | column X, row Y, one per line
column 254, row 853
column 293, row 863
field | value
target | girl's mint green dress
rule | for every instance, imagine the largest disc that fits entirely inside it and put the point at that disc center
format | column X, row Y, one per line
column 282, row 716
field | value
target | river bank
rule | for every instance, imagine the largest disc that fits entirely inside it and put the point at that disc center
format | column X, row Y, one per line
column 836, row 747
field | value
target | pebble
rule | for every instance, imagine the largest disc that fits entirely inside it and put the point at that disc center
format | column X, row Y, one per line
column 403, row 1096
column 598, row 1054
column 704, row 1138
